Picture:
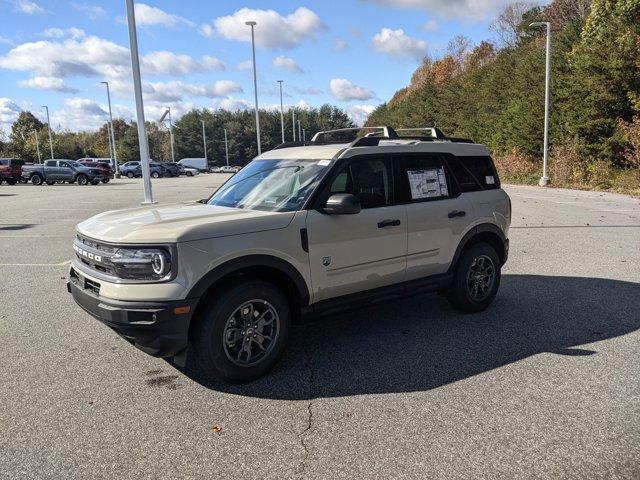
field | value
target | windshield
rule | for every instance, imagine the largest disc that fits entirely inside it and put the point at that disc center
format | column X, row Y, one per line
column 271, row 185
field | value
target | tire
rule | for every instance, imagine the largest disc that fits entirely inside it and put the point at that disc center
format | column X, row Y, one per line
column 105, row 180
column 230, row 362
column 131, row 175
column 82, row 179
column 36, row 180
column 50, row 182
column 474, row 287
column 189, row 174
column 95, row 182
column 12, row 181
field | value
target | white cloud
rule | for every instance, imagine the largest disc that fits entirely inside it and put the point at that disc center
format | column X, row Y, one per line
column 396, row 44
column 305, row 90
column 169, row 63
column 474, row 10
column 360, row 113
column 232, row 104
column 94, row 12
column 5, row 40
column 273, row 30
column 207, row 30
column 430, row 26
column 287, row 63
column 27, row 6
column 9, row 111
column 146, row 15
column 345, row 90
column 339, row 44
column 93, row 56
column 72, row 32
column 47, row 83
column 176, row 91
column 79, row 114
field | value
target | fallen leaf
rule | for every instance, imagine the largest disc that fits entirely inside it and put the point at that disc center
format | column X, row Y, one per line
column 216, row 429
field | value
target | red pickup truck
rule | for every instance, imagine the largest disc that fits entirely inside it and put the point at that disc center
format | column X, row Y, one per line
column 10, row 170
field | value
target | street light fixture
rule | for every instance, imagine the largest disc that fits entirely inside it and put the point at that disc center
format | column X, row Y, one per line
column 49, row 129
column 293, row 119
column 137, row 90
column 226, row 147
column 544, row 180
column 113, row 135
column 204, row 140
column 164, row 115
column 281, row 111
column 252, row 24
column 35, row 132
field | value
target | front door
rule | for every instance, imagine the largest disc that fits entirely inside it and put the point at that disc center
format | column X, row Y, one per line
column 355, row 253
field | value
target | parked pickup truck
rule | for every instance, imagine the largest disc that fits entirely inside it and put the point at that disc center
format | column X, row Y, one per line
column 54, row 171
column 10, row 170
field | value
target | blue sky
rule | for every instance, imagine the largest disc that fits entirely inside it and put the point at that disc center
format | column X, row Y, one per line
column 350, row 53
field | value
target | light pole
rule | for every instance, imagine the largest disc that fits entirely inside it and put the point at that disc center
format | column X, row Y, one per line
column 281, row 111
column 173, row 156
column 49, row 128
column 137, row 90
column 547, row 100
column 35, row 132
column 204, row 140
column 293, row 119
column 252, row 24
column 109, row 140
column 226, row 147
column 299, row 131
column 113, row 134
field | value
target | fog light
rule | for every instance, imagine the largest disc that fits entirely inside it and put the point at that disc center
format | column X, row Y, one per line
column 181, row 310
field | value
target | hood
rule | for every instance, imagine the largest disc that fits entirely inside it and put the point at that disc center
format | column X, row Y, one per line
column 179, row 222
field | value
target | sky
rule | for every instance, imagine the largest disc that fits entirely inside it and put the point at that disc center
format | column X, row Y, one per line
column 197, row 54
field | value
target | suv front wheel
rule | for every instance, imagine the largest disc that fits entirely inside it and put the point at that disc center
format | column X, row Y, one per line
column 240, row 333
column 476, row 279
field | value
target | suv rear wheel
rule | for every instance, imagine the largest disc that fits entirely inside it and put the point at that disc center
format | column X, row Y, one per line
column 476, row 280
column 130, row 175
column 82, row 179
column 36, row 180
column 240, row 333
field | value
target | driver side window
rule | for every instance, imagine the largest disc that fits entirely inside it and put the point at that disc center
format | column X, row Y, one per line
column 367, row 178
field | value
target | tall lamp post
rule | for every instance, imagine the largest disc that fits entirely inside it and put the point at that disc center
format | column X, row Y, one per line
column 137, row 90
column 173, row 155
column 293, row 119
column 547, row 100
column 49, row 129
column 226, row 147
column 113, row 136
column 281, row 111
column 204, row 140
column 35, row 132
column 252, row 24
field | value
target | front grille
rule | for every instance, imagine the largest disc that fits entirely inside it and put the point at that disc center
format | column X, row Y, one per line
column 94, row 254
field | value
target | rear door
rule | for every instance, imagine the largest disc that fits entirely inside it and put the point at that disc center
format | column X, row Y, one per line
column 64, row 172
column 355, row 253
column 437, row 216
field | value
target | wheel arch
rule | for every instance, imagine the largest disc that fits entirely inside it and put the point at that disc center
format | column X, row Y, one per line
column 265, row 267
column 485, row 232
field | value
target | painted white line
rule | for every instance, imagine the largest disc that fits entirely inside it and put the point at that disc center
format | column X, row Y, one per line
column 61, row 264
column 34, row 236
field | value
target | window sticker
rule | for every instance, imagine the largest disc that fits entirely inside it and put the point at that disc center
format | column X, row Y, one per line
column 428, row 183
column 489, row 180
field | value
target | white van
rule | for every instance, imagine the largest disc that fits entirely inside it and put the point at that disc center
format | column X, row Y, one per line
column 198, row 163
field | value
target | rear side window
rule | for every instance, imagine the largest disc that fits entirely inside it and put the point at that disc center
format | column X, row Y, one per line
column 422, row 178
column 50, row 163
column 16, row 162
column 474, row 173
column 4, row 162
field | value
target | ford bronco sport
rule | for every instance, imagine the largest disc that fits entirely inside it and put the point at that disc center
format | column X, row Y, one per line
column 304, row 230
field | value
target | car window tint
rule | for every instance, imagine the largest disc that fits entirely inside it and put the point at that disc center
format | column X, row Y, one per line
column 474, row 173
column 369, row 179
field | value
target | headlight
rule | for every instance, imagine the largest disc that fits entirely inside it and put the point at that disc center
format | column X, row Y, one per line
column 142, row 263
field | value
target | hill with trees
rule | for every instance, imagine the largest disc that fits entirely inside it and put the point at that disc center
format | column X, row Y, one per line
column 493, row 92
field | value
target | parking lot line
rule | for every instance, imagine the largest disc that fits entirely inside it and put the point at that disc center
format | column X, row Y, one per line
column 61, row 264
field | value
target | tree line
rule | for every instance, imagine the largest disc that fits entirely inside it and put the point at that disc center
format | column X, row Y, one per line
column 493, row 92
column 188, row 138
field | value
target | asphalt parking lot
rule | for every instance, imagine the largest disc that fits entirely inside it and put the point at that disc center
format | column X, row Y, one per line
column 545, row 384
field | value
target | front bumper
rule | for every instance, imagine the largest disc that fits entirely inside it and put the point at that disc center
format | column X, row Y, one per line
column 153, row 327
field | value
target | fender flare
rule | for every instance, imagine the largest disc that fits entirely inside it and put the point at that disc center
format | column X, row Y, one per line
column 249, row 261
column 482, row 228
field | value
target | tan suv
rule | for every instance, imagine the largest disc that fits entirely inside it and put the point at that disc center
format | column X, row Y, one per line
column 302, row 231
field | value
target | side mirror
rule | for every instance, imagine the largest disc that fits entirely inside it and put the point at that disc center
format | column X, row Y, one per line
column 342, row 204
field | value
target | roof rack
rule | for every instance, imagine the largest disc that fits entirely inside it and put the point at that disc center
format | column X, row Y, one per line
column 435, row 132
column 387, row 132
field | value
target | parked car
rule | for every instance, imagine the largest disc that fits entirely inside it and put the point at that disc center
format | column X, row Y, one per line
column 104, row 166
column 171, row 169
column 200, row 163
column 190, row 172
column 134, row 169
column 302, row 231
column 230, row 169
column 11, row 170
column 54, row 171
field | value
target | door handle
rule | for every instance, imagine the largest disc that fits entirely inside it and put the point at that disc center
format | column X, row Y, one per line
column 457, row 213
column 388, row 223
